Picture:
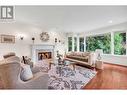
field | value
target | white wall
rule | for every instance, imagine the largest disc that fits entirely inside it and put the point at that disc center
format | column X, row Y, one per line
column 23, row 47
column 121, row 60
column 115, row 59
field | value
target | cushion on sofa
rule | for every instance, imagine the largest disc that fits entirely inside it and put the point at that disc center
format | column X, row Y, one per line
column 85, row 54
column 78, row 54
column 85, row 59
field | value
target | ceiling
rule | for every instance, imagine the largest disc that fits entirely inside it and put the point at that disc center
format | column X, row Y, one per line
column 71, row 18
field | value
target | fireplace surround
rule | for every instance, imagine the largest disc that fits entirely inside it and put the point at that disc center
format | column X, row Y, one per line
column 41, row 52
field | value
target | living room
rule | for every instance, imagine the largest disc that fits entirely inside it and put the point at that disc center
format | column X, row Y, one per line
column 63, row 47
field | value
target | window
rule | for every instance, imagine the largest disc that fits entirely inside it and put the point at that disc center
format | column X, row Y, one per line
column 81, row 44
column 120, row 43
column 69, row 43
column 75, row 43
column 99, row 42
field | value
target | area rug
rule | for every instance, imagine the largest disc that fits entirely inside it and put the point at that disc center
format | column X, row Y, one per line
column 66, row 78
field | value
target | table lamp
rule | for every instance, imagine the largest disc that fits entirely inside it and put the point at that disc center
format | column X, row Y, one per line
column 99, row 53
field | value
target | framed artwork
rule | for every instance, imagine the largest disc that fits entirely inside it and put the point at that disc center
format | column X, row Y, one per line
column 7, row 38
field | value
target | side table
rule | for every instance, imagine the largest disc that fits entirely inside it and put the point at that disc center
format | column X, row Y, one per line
column 99, row 64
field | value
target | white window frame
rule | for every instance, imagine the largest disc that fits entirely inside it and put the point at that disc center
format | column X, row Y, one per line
column 68, row 44
column 112, row 42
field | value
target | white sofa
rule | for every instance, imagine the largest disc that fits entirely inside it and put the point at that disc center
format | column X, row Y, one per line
column 82, row 58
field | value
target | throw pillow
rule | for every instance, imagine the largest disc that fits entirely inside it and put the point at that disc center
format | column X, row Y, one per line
column 26, row 72
column 27, row 60
column 85, row 54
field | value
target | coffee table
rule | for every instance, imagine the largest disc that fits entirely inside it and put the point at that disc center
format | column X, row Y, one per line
column 65, row 63
column 69, row 63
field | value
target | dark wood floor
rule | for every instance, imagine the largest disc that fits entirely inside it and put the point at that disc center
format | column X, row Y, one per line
column 112, row 77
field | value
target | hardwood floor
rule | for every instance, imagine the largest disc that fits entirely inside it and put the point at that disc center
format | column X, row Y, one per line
column 112, row 77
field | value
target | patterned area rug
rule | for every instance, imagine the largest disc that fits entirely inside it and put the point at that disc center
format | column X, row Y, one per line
column 65, row 78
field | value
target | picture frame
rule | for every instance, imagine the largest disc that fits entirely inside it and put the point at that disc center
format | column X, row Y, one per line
column 7, row 39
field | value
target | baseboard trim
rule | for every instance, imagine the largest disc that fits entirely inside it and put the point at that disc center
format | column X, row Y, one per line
column 115, row 64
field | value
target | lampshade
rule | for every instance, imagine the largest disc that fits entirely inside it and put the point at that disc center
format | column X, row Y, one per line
column 99, row 51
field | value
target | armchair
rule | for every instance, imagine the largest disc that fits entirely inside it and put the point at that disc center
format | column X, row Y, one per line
column 10, row 76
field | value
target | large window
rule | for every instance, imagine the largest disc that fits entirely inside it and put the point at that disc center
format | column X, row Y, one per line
column 115, row 43
column 99, row 42
column 81, row 44
column 75, row 43
column 120, row 43
column 69, row 43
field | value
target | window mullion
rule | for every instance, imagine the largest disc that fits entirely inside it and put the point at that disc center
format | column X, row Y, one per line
column 78, row 43
column 112, row 43
column 84, row 43
column 126, row 43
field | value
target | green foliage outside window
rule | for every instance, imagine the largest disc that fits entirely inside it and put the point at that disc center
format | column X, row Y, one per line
column 75, row 44
column 119, row 43
column 99, row 42
column 81, row 44
column 69, row 43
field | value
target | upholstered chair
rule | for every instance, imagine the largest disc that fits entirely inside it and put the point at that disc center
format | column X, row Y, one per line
column 12, row 59
column 10, row 76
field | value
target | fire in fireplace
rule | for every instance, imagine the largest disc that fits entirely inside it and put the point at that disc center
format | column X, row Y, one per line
column 44, row 55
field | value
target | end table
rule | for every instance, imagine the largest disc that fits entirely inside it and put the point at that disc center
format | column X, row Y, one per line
column 99, row 64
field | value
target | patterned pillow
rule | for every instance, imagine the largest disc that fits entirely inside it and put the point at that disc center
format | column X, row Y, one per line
column 85, row 54
column 79, row 54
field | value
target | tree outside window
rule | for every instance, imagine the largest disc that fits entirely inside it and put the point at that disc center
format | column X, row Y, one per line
column 75, row 43
column 99, row 42
column 81, row 44
column 120, row 43
column 69, row 43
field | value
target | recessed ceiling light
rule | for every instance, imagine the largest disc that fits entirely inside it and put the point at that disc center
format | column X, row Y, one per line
column 110, row 21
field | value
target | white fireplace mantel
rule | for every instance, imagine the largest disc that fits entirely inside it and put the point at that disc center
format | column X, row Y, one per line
column 36, row 48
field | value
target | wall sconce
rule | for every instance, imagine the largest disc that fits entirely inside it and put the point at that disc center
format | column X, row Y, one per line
column 55, row 40
column 33, row 39
column 59, row 41
column 21, row 38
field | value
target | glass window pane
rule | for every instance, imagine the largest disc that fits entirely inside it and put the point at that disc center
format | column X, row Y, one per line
column 75, row 44
column 120, row 43
column 81, row 44
column 69, row 43
column 99, row 42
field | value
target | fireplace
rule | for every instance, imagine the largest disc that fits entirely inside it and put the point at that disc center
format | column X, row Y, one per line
column 41, row 52
column 44, row 55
